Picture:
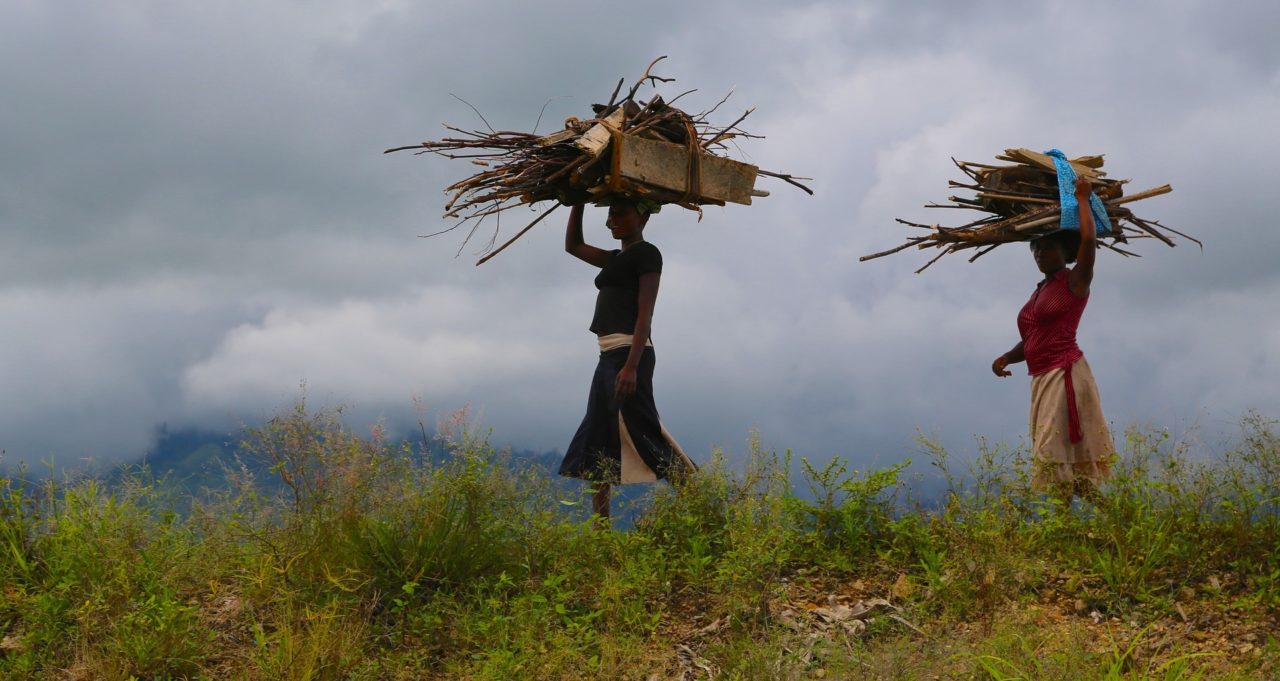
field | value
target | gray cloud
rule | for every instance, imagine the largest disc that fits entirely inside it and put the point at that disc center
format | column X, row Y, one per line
column 195, row 216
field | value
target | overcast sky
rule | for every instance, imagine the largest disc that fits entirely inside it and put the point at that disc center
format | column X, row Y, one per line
column 196, row 218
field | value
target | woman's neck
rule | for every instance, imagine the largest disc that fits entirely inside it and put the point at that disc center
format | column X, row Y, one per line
column 1048, row 276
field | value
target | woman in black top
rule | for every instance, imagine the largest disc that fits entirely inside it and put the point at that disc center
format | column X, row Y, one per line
column 621, row 438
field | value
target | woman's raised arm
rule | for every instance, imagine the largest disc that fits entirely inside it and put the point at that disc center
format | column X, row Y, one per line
column 1082, row 274
column 574, row 244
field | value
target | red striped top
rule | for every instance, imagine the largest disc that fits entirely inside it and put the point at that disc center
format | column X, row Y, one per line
column 1048, row 324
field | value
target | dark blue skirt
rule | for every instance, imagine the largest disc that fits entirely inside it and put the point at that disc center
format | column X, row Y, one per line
column 596, row 450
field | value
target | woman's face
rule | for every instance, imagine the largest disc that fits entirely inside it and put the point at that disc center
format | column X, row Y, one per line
column 624, row 222
column 1048, row 255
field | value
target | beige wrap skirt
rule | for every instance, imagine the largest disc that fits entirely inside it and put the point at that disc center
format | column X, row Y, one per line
column 1055, row 458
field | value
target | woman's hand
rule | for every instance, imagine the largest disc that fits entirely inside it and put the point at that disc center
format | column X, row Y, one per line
column 1083, row 189
column 998, row 366
column 625, row 385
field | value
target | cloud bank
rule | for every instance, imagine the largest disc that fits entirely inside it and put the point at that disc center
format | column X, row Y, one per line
column 196, row 219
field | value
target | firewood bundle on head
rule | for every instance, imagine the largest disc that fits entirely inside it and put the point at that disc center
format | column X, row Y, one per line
column 642, row 150
column 1022, row 202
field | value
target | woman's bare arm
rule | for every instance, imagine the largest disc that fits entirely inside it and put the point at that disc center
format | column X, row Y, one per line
column 625, row 385
column 1011, row 357
column 574, row 244
column 1081, row 275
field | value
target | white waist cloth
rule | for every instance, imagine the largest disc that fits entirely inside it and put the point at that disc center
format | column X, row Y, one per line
column 613, row 341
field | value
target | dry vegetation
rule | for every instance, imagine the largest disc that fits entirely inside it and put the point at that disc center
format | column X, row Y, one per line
column 367, row 561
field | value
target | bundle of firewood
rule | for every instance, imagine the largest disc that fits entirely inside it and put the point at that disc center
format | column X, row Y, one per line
column 1021, row 202
column 647, row 150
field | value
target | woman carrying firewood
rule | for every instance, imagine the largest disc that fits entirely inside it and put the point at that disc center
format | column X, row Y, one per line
column 621, row 439
column 1071, row 443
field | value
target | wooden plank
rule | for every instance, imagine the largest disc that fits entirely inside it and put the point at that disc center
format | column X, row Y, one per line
column 1046, row 161
column 595, row 139
column 1156, row 191
column 1014, row 198
column 666, row 165
column 1038, row 223
column 556, row 137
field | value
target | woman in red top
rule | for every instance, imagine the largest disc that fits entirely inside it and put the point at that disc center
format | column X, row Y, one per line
column 1071, row 443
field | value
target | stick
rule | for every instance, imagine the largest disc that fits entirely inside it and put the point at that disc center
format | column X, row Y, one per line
column 544, row 110
column 935, row 259
column 788, row 179
column 1157, row 223
column 443, row 231
column 984, row 166
column 1157, row 191
column 983, row 252
column 686, row 92
column 614, row 97
column 636, row 88
column 1150, row 230
column 972, row 175
column 732, row 125
column 891, row 251
column 486, row 123
column 917, row 224
column 1046, row 194
column 568, row 166
column 414, row 146
column 1118, row 250
column 981, row 222
column 518, row 235
column 703, row 116
column 1011, row 197
column 1037, row 223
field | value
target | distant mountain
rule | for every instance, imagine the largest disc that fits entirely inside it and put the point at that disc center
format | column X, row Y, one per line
column 195, row 459
column 196, row 462
column 191, row 458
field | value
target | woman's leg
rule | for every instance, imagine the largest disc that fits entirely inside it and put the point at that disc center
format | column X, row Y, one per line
column 600, row 500
column 1087, row 489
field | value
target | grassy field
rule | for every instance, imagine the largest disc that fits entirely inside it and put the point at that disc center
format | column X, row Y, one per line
column 371, row 563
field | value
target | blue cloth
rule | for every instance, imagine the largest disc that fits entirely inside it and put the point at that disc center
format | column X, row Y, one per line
column 1067, row 197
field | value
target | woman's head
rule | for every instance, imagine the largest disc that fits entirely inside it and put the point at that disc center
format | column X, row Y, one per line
column 1054, row 251
column 628, row 217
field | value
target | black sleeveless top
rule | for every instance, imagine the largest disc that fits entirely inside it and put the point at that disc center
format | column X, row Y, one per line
column 618, row 302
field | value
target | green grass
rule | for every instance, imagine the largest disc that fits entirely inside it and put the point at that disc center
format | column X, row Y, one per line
column 366, row 561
